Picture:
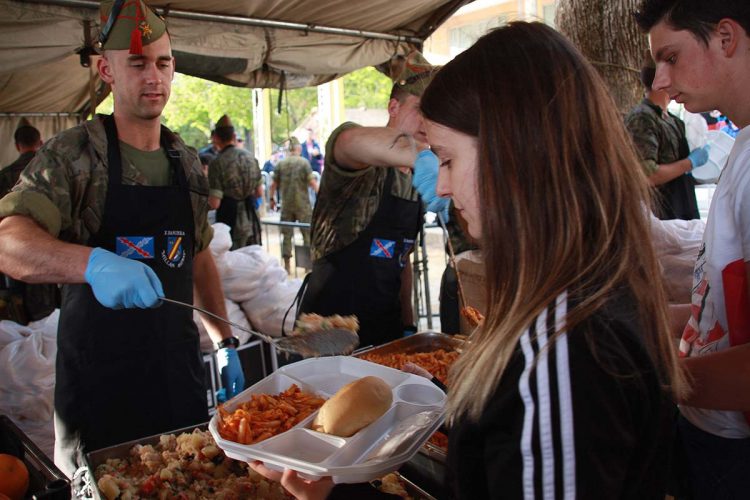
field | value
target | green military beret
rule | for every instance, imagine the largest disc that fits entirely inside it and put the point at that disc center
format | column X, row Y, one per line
column 416, row 74
column 128, row 24
column 224, row 123
column 293, row 142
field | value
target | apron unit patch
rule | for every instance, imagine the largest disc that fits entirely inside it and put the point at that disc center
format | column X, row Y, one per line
column 135, row 247
column 384, row 249
column 174, row 255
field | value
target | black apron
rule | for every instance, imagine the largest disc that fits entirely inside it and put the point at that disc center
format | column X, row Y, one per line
column 130, row 373
column 676, row 198
column 364, row 278
column 227, row 213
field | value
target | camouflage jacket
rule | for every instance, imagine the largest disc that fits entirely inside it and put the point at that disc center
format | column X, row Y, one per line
column 348, row 200
column 292, row 176
column 10, row 174
column 657, row 136
column 64, row 188
column 234, row 173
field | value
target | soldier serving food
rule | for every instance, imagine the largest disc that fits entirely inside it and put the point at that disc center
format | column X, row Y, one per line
column 368, row 214
column 116, row 210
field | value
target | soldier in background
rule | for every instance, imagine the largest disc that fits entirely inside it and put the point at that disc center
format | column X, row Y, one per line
column 21, row 302
column 659, row 138
column 116, row 209
column 235, row 182
column 293, row 176
column 368, row 215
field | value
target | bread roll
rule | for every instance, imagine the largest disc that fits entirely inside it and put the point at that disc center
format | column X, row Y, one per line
column 353, row 407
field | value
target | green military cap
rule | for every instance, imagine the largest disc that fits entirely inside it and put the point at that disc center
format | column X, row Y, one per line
column 416, row 74
column 128, row 24
column 293, row 142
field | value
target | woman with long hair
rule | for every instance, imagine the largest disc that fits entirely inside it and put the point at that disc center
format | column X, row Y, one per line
column 565, row 390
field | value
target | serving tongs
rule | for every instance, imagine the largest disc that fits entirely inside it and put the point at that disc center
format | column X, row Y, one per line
column 333, row 342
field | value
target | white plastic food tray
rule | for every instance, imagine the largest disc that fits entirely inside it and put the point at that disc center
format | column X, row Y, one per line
column 417, row 404
column 721, row 145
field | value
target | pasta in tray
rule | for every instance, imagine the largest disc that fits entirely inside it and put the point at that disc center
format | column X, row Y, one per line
column 266, row 415
column 185, row 467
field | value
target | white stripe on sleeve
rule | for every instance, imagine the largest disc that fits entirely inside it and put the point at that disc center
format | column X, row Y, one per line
column 546, row 442
column 527, row 454
column 564, row 392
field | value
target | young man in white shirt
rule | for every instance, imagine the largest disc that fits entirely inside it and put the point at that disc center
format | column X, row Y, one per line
column 702, row 54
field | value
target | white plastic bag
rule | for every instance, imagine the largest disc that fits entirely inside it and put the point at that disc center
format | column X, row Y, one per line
column 677, row 243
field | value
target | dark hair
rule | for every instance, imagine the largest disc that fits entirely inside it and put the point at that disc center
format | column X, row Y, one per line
column 563, row 200
column 225, row 134
column 648, row 73
column 27, row 135
column 699, row 17
column 398, row 93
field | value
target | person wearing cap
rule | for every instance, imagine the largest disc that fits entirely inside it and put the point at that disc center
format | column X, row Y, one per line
column 116, row 210
column 659, row 138
column 19, row 301
column 367, row 216
column 293, row 176
column 235, row 182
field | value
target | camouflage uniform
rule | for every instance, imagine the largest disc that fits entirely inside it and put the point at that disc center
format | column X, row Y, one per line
column 65, row 186
column 659, row 138
column 293, row 176
column 348, row 199
column 235, row 174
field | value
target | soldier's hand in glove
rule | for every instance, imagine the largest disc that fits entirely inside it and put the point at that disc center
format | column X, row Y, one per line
column 425, row 179
column 699, row 156
column 121, row 283
column 232, row 377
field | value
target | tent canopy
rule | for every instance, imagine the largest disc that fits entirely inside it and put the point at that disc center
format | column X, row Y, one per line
column 247, row 43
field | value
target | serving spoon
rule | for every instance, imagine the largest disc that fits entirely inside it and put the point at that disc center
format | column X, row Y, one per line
column 333, row 342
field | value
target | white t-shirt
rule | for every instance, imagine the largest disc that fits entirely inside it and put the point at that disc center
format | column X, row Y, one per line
column 726, row 243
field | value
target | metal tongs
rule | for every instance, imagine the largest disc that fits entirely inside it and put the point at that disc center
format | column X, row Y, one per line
column 333, row 342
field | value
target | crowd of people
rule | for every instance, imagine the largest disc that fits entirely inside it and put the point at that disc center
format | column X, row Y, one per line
column 571, row 387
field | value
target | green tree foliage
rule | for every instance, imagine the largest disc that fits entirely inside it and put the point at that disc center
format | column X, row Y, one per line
column 196, row 104
column 296, row 105
column 366, row 88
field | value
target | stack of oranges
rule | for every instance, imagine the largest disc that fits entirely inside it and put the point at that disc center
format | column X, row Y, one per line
column 14, row 478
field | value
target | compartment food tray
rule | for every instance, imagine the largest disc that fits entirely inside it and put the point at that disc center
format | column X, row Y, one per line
column 348, row 460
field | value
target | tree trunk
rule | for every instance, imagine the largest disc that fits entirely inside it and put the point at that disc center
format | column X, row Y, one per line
column 606, row 32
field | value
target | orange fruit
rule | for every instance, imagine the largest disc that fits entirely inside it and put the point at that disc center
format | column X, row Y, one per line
column 14, row 477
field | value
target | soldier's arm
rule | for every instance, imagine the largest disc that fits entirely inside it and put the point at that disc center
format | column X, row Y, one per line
column 646, row 141
column 359, row 147
column 215, row 192
column 666, row 172
column 29, row 253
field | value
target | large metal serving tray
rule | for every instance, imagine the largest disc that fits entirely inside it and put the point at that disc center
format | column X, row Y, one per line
column 427, row 341
column 98, row 457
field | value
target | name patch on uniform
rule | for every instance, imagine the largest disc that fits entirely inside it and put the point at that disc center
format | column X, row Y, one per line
column 135, row 247
column 173, row 254
column 384, row 249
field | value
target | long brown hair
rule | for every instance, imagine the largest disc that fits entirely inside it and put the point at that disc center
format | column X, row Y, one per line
column 565, row 203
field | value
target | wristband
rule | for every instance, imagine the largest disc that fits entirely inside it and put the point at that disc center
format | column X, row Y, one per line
column 228, row 342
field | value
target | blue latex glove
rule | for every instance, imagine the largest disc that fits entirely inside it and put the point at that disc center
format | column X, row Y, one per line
column 120, row 283
column 699, row 156
column 230, row 369
column 425, row 178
